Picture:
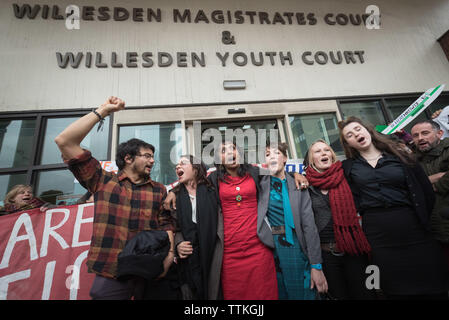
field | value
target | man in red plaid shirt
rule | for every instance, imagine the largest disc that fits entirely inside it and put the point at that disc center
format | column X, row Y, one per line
column 125, row 203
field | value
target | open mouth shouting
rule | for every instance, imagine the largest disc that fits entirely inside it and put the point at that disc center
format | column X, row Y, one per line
column 273, row 165
column 325, row 160
column 423, row 145
column 179, row 173
column 230, row 160
column 361, row 140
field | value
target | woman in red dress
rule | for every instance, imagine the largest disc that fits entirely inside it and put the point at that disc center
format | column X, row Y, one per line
column 248, row 270
column 247, row 265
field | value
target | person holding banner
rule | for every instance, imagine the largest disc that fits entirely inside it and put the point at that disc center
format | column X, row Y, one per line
column 20, row 198
column 125, row 203
column 442, row 118
column 286, row 224
column 344, row 246
column 395, row 199
column 197, row 241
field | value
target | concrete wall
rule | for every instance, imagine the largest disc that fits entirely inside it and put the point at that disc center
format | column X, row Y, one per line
column 403, row 56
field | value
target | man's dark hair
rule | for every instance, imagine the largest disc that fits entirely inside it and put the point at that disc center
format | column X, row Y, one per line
column 131, row 148
column 435, row 125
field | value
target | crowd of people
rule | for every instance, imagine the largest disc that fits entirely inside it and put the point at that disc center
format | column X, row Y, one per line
column 245, row 232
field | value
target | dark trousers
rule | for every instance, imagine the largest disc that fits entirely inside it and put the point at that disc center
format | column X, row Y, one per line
column 112, row 289
column 346, row 277
column 445, row 247
column 438, row 296
column 166, row 288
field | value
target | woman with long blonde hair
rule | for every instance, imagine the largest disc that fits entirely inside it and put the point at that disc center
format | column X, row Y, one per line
column 344, row 246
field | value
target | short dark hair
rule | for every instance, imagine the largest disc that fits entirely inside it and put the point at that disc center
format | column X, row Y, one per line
column 281, row 146
column 435, row 125
column 131, row 148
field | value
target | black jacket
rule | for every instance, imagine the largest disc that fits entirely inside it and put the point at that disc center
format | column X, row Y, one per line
column 420, row 190
column 143, row 255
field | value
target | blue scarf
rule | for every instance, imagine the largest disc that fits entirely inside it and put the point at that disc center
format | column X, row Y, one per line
column 288, row 214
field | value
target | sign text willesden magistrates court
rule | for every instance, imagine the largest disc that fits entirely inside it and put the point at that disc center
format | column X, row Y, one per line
column 193, row 59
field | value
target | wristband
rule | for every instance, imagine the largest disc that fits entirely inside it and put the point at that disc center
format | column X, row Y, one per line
column 317, row 266
column 100, row 125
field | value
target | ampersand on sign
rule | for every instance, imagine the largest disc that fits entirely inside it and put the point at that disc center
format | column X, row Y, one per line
column 227, row 38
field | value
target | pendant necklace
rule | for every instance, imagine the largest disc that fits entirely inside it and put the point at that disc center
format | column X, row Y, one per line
column 238, row 197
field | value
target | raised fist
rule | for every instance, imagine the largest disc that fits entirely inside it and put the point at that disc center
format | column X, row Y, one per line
column 113, row 104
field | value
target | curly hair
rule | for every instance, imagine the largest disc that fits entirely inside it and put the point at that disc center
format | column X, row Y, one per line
column 131, row 148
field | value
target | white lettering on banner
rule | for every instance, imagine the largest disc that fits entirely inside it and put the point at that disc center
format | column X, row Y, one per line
column 51, row 230
column 48, row 280
column 77, row 228
column 6, row 280
column 25, row 244
column 24, row 220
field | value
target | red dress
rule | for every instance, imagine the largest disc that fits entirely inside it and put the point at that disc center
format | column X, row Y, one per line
column 248, row 271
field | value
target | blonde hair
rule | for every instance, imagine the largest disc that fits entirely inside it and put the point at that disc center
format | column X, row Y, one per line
column 310, row 154
column 9, row 198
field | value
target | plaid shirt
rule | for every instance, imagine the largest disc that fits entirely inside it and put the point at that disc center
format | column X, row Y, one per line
column 122, row 209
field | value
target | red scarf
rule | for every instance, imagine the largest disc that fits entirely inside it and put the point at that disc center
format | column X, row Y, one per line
column 344, row 214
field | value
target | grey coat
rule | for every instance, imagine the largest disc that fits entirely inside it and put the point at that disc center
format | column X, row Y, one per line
column 305, row 226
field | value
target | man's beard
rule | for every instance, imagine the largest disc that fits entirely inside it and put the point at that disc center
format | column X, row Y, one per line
column 143, row 174
column 430, row 146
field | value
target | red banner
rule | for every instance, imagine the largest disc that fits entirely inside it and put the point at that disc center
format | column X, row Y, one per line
column 43, row 254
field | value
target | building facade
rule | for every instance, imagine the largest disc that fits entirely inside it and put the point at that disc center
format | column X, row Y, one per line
column 189, row 68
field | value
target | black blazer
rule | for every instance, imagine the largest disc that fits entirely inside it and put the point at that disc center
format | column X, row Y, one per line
column 419, row 186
